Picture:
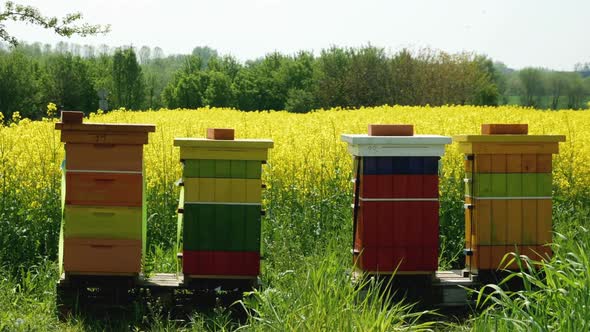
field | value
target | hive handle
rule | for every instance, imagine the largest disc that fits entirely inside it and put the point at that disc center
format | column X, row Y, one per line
column 101, row 246
column 104, row 180
column 104, row 146
column 103, row 214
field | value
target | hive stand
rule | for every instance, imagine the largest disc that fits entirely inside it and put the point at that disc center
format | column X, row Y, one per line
column 508, row 197
column 396, row 208
column 103, row 228
column 220, row 210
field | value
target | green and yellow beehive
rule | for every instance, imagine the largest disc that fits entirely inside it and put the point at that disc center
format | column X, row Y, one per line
column 221, row 204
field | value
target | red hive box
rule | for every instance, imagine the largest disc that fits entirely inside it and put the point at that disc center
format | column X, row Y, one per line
column 396, row 202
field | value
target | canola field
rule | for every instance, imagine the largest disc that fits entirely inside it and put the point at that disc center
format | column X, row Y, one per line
column 308, row 154
column 308, row 176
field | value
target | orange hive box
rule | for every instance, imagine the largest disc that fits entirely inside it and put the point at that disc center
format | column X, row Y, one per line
column 103, row 185
column 508, row 187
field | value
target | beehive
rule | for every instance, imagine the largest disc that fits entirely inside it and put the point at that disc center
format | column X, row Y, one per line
column 103, row 219
column 396, row 200
column 220, row 205
column 508, row 186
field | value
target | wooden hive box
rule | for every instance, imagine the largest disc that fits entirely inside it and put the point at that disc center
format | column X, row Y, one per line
column 508, row 189
column 103, row 227
column 220, row 216
column 396, row 201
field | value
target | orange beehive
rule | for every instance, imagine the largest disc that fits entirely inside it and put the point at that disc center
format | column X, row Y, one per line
column 103, row 226
column 508, row 187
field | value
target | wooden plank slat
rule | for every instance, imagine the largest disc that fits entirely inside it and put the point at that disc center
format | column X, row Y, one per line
column 514, row 163
column 102, row 255
column 508, row 148
column 529, row 222
column 95, row 137
column 104, row 189
column 222, row 190
column 498, row 223
column 514, row 222
column 483, row 221
column 239, row 169
column 233, row 144
column 102, row 222
column 220, row 264
column 105, row 127
column 499, row 163
column 104, row 157
column 221, row 227
column 224, row 153
column 544, row 221
column 509, row 139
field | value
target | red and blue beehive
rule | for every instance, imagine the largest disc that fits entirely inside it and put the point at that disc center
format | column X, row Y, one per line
column 396, row 199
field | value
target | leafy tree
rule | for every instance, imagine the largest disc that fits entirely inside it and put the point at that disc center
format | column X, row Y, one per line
column 299, row 101
column 532, row 86
column 219, row 92
column 583, row 69
column 403, row 67
column 258, row 84
column 128, row 85
column 297, row 75
column 65, row 26
column 369, row 80
column 187, row 88
column 333, row 67
column 488, row 81
column 557, row 84
column 144, row 55
column 70, row 85
column 205, row 53
column 576, row 91
column 20, row 85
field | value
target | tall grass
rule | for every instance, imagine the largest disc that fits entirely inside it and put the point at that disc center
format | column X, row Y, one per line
column 307, row 232
column 556, row 295
column 319, row 295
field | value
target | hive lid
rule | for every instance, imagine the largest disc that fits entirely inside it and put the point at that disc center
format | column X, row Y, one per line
column 106, row 127
column 209, row 143
column 509, row 138
column 364, row 139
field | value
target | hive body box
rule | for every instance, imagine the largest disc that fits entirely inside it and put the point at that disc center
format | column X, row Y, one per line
column 220, row 206
column 396, row 178
column 103, row 227
column 507, row 197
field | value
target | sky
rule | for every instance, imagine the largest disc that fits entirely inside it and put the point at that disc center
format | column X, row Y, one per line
column 520, row 33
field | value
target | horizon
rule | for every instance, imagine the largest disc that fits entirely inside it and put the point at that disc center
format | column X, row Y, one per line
column 544, row 37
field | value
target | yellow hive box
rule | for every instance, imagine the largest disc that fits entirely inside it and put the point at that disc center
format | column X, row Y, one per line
column 222, row 190
column 241, row 149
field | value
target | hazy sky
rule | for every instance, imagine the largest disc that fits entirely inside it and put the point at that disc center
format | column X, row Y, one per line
column 543, row 33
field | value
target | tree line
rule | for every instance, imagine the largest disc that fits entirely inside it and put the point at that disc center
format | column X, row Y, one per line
column 73, row 76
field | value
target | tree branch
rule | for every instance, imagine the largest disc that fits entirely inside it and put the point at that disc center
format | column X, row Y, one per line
column 63, row 27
